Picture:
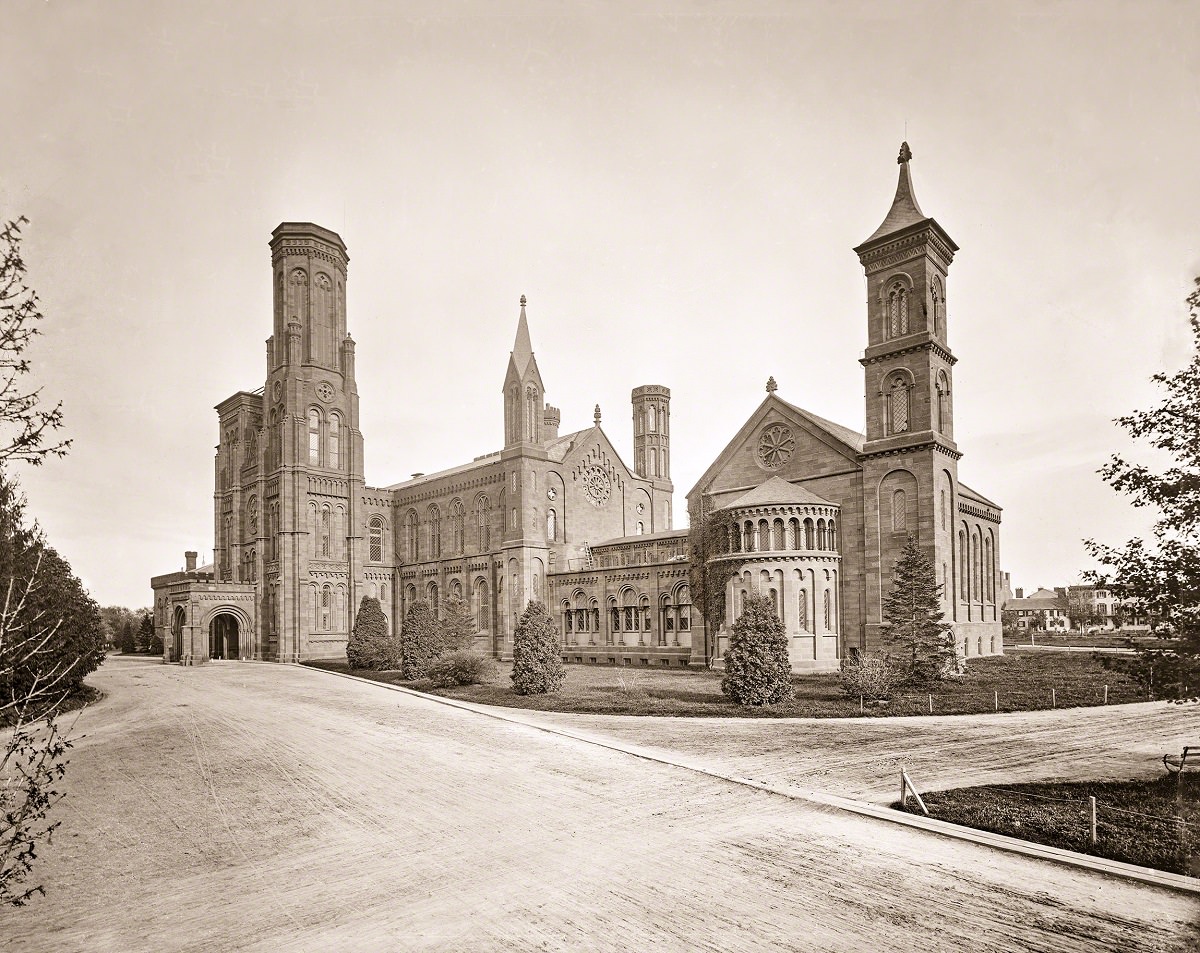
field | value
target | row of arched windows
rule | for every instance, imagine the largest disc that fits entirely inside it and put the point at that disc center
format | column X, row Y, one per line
column 481, row 607
column 896, row 321
column 628, row 616
column 763, row 536
column 451, row 539
column 977, row 566
column 327, row 530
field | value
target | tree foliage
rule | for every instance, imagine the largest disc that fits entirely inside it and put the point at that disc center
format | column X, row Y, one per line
column 420, row 640
column 1159, row 578
column 757, row 668
column 1081, row 611
column 869, row 676
column 708, row 578
column 370, row 645
column 458, row 626
column 127, row 640
column 25, row 428
column 537, row 658
column 462, row 667
column 918, row 642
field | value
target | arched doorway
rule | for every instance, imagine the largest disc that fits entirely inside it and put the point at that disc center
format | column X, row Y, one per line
column 223, row 637
column 177, row 634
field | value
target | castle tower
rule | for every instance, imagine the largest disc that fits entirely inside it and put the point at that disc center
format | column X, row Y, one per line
column 652, row 431
column 524, row 414
column 910, row 460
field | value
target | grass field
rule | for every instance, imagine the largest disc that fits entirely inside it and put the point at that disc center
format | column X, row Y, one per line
column 1098, row 640
column 1007, row 683
column 1137, row 822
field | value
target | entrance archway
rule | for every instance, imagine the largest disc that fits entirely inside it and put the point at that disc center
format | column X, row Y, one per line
column 177, row 634
column 223, row 634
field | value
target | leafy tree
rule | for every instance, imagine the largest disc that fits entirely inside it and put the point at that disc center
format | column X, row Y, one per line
column 918, row 642
column 1160, row 578
column 537, row 657
column 458, row 626
column 757, row 668
column 708, row 577
column 370, row 645
column 868, row 675
column 420, row 640
column 1008, row 621
column 25, row 429
column 1081, row 611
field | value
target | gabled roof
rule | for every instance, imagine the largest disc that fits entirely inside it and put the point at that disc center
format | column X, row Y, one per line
column 451, row 471
column 776, row 490
column 842, row 439
column 975, row 495
column 560, row 447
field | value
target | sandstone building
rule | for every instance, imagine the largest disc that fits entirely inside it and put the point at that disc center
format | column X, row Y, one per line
column 814, row 514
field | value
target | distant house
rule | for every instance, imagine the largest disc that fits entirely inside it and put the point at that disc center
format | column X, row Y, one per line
column 1050, row 605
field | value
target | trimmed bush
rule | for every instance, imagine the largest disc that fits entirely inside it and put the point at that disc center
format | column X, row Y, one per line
column 462, row 668
column 420, row 640
column 869, row 676
column 370, row 645
column 757, row 669
column 458, row 626
column 537, row 662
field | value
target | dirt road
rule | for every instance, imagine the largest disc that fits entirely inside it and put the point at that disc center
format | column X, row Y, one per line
column 264, row 807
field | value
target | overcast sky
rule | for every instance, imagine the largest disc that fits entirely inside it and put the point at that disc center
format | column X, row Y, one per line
column 677, row 194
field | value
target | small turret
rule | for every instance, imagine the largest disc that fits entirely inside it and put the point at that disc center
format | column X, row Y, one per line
column 652, row 431
column 551, row 418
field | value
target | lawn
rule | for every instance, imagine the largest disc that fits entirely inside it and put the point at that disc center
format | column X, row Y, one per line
column 1097, row 640
column 1137, row 822
column 1006, row 683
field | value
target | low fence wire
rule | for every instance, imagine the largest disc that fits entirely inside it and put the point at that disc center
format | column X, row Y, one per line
column 970, row 703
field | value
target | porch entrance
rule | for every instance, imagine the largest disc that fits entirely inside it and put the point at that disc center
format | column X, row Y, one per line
column 223, row 637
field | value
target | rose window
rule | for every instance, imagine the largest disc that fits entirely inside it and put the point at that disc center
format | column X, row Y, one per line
column 775, row 446
column 597, row 485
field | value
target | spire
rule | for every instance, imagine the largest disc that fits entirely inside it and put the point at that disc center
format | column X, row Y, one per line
column 522, row 350
column 904, row 211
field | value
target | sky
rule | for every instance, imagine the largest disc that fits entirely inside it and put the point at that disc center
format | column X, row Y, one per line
column 676, row 187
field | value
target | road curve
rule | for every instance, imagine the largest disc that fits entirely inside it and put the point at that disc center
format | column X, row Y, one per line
column 275, row 808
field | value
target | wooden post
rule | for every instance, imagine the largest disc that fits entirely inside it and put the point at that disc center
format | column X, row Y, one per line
column 996, row 699
column 931, row 704
column 1053, row 698
column 906, row 781
column 1106, row 694
column 860, row 705
column 1092, row 805
column 903, row 787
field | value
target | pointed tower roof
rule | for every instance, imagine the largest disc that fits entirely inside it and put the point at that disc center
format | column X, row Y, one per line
column 522, row 352
column 904, row 211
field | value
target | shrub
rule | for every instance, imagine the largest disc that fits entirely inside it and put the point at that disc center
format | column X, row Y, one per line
column 757, row 668
column 462, row 668
column 919, row 642
column 370, row 645
column 537, row 662
column 869, row 676
column 420, row 641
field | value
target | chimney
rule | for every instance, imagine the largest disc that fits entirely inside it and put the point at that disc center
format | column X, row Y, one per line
column 189, row 561
column 551, row 418
column 1020, row 593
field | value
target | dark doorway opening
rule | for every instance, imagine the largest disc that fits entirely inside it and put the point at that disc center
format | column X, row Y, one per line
column 223, row 637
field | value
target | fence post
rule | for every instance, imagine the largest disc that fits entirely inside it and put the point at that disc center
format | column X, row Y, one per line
column 905, row 780
column 860, row 705
column 1106, row 694
column 903, row 787
column 1053, row 698
column 931, row 704
column 996, row 699
column 1092, row 805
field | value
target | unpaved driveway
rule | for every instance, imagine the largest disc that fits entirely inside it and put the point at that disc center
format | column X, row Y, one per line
column 860, row 758
column 266, row 807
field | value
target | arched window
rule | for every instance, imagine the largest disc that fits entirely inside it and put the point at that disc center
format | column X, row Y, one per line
column 552, row 526
column 412, row 528
column 481, row 522
column 433, row 598
column 897, row 398
column 458, row 526
column 326, row 519
column 455, row 589
column 802, row 610
column 483, row 615
column 314, row 438
column 832, row 535
column 375, row 553
column 899, row 512
column 943, row 401
column 514, row 421
column 435, row 533
column 641, row 528
column 335, row 441
column 828, row 612
column 945, row 510
column 252, row 517
column 897, row 310
column 809, row 538
column 653, row 462
column 939, row 308
column 326, row 599
column 821, row 534
column 652, row 418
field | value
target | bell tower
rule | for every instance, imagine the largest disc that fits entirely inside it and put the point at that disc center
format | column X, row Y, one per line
column 909, row 459
column 652, row 431
column 524, row 413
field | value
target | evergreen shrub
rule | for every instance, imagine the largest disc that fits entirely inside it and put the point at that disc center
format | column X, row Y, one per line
column 757, row 668
column 537, row 660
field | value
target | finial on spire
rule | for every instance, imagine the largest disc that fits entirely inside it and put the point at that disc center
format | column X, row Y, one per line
column 771, row 385
column 522, row 301
column 905, row 154
column 596, row 416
